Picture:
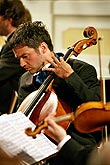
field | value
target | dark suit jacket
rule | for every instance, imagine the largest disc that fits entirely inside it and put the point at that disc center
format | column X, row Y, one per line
column 82, row 86
column 10, row 72
column 76, row 151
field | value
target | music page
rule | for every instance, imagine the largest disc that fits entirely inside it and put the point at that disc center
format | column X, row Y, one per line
column 15, row 142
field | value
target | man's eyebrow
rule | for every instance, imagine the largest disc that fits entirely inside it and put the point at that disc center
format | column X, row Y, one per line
column 20, row 55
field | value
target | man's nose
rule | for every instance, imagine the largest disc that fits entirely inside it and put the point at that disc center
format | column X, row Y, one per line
column 22, row 62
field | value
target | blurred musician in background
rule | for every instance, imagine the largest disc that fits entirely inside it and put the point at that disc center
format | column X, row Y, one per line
column 12, row 14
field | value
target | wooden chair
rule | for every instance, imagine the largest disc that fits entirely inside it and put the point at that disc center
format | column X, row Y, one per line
column 13, row 102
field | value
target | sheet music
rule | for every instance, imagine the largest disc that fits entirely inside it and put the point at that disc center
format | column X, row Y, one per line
column 16, row 142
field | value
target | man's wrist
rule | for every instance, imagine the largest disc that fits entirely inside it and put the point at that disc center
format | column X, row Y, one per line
column 60, row 145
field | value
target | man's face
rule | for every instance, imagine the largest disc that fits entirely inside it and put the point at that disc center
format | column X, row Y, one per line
column 3, row 26
column 30, row 59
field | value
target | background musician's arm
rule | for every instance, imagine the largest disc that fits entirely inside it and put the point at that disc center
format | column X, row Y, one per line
column 70, row 150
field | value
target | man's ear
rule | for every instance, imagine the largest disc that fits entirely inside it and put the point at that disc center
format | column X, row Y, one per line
column 43, row 47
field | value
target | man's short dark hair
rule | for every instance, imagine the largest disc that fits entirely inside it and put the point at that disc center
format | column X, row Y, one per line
column 31, row 34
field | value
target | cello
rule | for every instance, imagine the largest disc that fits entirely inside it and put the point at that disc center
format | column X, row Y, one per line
column 28, row 106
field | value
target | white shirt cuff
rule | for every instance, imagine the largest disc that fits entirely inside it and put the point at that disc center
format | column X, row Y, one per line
column 60, row 145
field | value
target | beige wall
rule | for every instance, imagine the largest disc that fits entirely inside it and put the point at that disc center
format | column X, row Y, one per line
column 71, row 35
column 66, row 20
column 2, row 42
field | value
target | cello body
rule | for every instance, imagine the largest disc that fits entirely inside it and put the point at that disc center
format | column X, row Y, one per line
column 49, row 103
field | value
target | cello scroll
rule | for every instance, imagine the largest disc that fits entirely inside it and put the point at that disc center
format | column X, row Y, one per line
column 91, row 34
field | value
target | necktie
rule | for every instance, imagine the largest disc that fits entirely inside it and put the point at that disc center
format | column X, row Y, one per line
column 39, row 78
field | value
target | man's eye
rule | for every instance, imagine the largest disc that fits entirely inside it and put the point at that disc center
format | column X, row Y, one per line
column 25, row 56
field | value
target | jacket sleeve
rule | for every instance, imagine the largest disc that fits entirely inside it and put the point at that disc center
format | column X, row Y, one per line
column 75, row 153
column 85, row 84
column 9, row 65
